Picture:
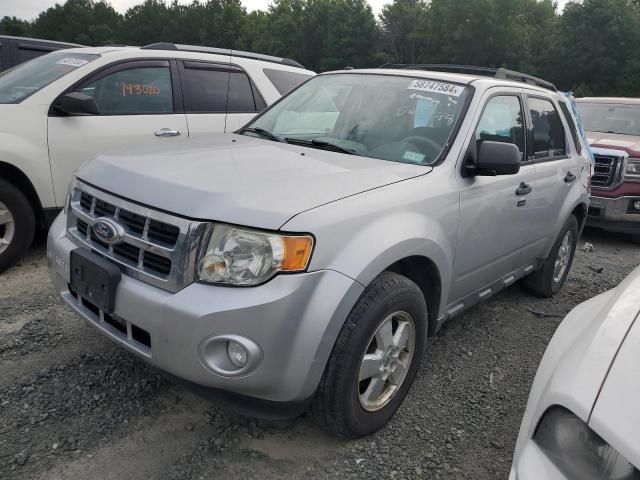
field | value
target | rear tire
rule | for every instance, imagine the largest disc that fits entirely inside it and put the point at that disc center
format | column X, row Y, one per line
column 17, row 225
column 548, row 280
column 367, row 378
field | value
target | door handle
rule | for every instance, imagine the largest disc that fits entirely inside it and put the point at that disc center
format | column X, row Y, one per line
column 570, row 178
column 167, row 132
column 523, row 189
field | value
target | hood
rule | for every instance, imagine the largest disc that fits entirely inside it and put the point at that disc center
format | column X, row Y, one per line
column 615, row 416
column 628, row 143
column 238, row 179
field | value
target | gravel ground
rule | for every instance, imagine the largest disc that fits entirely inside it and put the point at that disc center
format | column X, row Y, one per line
column 73, row 406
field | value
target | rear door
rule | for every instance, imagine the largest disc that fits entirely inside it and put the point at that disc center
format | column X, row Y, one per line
column 558, row 169
column 495, row 211
column 218, row 97
column 139, row 103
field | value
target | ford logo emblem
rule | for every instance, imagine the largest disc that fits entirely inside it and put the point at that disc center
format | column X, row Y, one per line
column 108, row 231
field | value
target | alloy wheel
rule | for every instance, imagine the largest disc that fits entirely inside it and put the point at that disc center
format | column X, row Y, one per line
column 563, row 257
column 386, row 361
column 7, row 227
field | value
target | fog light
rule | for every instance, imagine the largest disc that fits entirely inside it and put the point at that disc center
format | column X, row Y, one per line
column 230, row 355
column 636, row 205
column 237, row 354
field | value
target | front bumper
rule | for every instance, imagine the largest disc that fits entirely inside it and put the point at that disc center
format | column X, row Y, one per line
column 614, row 214
column 294, row 319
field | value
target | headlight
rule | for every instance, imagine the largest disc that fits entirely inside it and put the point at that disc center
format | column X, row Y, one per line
column 245, row 257
column 577, row 451
column 632, row 171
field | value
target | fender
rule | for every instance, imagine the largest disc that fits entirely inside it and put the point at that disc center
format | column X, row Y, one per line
column 363, row 235
column 23, row 145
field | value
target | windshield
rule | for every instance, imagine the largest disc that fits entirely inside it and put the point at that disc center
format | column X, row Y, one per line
column 610, row 118
column 26, row 79
column 387, row 117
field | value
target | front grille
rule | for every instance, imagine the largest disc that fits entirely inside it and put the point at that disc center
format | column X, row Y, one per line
column 606, row 171
column 127, row 252
column 156, row 247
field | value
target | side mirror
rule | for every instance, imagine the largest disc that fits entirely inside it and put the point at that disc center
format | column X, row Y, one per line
column 77, row 103
column 496, row 158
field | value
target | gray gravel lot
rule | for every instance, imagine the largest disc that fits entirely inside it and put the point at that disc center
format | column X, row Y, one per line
column 73, row 406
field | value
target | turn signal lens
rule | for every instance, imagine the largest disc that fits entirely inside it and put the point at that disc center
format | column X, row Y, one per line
column 297, row 251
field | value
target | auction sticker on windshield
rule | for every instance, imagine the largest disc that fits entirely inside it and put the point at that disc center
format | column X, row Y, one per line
column 437, row 87
column 73, row 62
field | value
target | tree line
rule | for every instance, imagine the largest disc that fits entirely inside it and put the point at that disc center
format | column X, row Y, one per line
column 591, row 47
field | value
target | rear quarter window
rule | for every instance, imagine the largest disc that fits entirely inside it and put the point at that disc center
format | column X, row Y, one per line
column 285, row 81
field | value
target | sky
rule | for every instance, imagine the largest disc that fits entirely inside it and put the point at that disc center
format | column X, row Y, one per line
column 29, row 9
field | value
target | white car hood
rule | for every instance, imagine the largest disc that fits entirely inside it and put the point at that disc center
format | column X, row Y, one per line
column 580, row 354
column 238, row 179
column 616, row 415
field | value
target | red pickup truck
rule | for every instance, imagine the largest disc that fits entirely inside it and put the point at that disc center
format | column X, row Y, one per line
column 613, row 126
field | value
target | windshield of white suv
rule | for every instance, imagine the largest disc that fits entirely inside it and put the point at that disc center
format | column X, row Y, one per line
column 394, row 118
column 610, row 118
column 26, row 79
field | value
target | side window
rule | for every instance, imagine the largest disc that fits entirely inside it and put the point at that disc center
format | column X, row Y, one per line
column 502, row 121
column 572, row 126
column 133, row 91
column 205, row 87
column 283, row 80
column 548, row 132
column 240, row 93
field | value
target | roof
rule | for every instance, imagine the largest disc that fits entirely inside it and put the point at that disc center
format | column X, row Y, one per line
column 461, row 78
column 41, row 40
column 170, row 49
column 610, row 100
column 221, row 51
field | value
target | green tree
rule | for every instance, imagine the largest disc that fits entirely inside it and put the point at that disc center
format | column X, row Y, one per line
column 82, row 21
column 401, row 22
column 14, row 26
column 597, row 49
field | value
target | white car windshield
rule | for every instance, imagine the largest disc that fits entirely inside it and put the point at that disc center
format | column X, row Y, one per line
column 388, row 117
column 24, row 80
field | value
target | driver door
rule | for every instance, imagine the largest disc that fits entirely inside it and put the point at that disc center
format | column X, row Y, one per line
column 139, row 104
column 495, row 213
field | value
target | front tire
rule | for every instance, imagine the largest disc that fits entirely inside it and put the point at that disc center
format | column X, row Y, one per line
column 548, row 280
column 375, row 358
column 17, row 225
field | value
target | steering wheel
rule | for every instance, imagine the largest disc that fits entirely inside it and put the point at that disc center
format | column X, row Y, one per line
column 422, row 142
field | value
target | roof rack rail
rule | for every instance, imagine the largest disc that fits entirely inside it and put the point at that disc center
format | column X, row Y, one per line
column 221, row 51
column 498, row 73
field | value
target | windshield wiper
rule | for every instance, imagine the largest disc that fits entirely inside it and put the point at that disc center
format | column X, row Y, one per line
column 323, row 144
column 265, row 133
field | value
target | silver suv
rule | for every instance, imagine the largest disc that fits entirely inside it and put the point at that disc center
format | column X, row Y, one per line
column 303, row 261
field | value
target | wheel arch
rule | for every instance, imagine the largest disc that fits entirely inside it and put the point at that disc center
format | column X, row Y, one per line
column 425, row 273
column 19, row 179
column 580, row 212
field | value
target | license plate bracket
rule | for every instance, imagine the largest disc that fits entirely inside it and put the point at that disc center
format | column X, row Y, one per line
column 95, row 279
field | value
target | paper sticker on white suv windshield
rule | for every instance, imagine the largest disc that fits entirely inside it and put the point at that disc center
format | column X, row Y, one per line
column 437, row 87
column 72, row 62
column 413, row 157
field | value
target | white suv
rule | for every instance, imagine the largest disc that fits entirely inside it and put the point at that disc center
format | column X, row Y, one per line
column 61, row 109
